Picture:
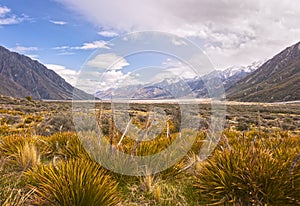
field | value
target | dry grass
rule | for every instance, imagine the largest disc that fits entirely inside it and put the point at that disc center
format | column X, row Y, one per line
column 257, row 162
column 28, row 156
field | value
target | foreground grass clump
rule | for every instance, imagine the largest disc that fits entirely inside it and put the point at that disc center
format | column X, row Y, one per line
column 75, row 182
column 63, row 145
column 246, row 168
column 28, row 156
column 21, row 150
column 252, row 172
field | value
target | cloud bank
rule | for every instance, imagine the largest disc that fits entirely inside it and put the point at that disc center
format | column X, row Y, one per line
column 231, row 32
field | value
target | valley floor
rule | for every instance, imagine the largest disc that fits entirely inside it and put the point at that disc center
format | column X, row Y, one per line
column 44, row 161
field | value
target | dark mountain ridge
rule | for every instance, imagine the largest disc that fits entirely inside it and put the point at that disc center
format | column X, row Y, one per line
column 277, row 80
column 21, row 76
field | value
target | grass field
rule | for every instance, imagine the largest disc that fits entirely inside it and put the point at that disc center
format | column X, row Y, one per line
column 43, row 160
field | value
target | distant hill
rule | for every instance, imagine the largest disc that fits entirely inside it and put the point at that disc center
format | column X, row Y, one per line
column 20, row 76
column 276, row 80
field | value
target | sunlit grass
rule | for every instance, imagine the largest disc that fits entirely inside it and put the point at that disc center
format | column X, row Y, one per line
column 252, row 170
column 75, row 182
column 253, row 164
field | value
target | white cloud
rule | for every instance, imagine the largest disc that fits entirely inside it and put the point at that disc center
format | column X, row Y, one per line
column 61, row 47
column 109, row 74
column 58, row 22
column 28, row 51
column 23, row 49
column 93, row 45
column 90, row 81
column 106, row 73
column 69, row 75
column 10, row 20
column 112, row 78
column 230, row 32
column 108, row 33
column 178, row 42
column 65, row 53
column 6, row 18
column 87, row 85
column 69, row 50
column 33, row 56
column 64, row 50
column 116, row 79
column 108, row 61
column 86, row 46
column 177, row 69
column 4, row 10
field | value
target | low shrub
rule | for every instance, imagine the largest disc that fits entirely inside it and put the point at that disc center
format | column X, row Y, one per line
column 75, row 182
column 256, row 172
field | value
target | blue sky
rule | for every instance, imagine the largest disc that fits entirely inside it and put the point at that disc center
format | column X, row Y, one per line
column 63, row 34
column 41, row 27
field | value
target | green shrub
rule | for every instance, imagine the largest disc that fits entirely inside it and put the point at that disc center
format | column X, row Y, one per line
column 29, row 119
column 9, row 119
column 242, row 126
column 29, row 98
column 254, row 172
column 75, row 182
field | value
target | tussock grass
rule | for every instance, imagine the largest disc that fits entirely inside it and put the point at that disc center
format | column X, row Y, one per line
column 253, row 167
column 75, row 182
column 252, row 171
column 27, row 156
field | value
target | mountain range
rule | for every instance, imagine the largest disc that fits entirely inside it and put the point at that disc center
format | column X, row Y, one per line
column 274, row 80
column 178, row 88
column 20, row 76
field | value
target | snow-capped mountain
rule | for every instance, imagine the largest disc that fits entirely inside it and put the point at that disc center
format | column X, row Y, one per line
column 233, row 74
column 170, row 88
column 235, row 70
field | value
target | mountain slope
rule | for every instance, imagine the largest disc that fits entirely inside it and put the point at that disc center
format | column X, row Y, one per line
column 21, row 76
column 11, row 88
column 276, row 80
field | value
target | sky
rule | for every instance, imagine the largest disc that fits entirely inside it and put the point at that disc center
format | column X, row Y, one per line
column 64, row 34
